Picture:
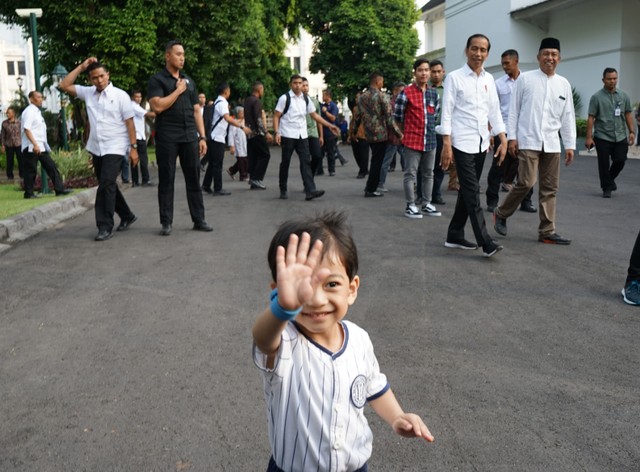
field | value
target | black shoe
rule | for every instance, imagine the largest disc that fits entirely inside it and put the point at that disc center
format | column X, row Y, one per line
column 528, row 207
column 65, row 191
column 124, row 224
column 438, row 201
column 103, row 235
column 283, row 195
column 33, row 195
column 331, row 174
column 166, row 230
column 373, row 194
column 231, row 174
column 491, row 249
column 554, row 239
column 207, row 190
column 202, row 226
column 499, row 224
column 460, row 244
column 361, row 176
column 606, row 194
column 222, row 192
column 314, row 194
column 148, row 184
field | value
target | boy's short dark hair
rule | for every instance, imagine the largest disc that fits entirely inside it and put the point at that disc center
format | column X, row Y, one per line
column 436, row 62
column 221, row 87
column 330, row 228
column 418, row 62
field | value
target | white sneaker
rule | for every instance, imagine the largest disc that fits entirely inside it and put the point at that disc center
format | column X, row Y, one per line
column 381, row 189
column 412, row 212
column 430, row 210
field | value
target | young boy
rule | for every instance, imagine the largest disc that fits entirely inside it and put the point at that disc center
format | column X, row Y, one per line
column 238, row 146
column 319, row 370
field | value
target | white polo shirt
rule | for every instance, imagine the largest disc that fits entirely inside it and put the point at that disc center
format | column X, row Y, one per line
column 138, row 121
column 33, row 120
column 469, row 106
column 315, row 400
column 540, row 107
column 107, row 112
column 293, row 124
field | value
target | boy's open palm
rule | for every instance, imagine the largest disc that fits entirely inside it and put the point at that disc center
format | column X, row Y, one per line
column 410, row 425
column 295, row 267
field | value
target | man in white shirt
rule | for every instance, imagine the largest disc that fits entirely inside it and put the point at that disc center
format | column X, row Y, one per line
column 290, row 126
column 470, row 108
column 112, row 135
column 216, row 123
column 540, row 108
column 141, row 139
column 36, row 149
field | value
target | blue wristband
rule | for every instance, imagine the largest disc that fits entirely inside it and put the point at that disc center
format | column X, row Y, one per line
column 278, row 311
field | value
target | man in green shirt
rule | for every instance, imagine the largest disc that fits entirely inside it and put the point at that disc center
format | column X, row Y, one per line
column 610, row 117
column 314, row 130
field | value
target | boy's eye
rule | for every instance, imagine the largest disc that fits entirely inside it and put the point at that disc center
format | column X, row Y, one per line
column 333, row 284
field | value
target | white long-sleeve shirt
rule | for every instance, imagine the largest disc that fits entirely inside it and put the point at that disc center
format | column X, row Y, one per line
column 469, row 106
column 238, row 139
column 540, row 107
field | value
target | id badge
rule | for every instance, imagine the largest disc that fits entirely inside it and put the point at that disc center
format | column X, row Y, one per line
column 617, row 112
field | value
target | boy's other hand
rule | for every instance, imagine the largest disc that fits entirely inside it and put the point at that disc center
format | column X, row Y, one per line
column 409, row 425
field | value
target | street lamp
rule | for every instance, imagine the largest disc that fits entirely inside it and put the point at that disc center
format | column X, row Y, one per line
column 58, row 74
column 20, row 81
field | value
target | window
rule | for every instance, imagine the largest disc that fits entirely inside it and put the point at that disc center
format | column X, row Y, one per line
column 296, row 64
column 11, row 68
column 22, row 68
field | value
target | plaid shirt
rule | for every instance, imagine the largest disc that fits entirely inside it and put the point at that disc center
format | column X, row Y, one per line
column 417, row 111
column 375, row 114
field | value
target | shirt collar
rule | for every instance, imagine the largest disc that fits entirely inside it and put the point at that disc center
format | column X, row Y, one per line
column 468, row 70
column 105, row 91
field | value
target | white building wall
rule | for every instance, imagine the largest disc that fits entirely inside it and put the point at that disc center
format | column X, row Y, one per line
column 302, row 48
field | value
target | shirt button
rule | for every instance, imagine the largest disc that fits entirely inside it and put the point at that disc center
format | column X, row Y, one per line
column 337, row 445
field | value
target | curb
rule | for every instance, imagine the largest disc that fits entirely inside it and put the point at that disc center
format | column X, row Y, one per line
column 25, row 225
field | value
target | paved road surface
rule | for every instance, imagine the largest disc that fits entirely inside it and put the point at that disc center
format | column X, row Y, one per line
column 134, row 354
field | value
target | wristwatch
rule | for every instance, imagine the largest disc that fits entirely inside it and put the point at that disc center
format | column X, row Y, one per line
column 134, row 145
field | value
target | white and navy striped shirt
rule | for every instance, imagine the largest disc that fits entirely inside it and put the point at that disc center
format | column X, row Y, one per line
column 315, row 401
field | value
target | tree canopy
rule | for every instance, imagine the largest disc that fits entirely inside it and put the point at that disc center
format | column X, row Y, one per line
column 357, row 37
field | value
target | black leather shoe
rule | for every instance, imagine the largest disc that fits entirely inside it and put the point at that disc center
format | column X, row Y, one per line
column 148, row 184
column 438, row 201
column 283, row 195
column 124, row 224
column 103, row 235
column 554, row 239
column 207, row 190
column 221, row 192
column 499, row 224
column 373, row 194
column 166, row 230
column 33, row 195
column 202, row 226
column 528, row 208
column 66, row 191
column 314, row 194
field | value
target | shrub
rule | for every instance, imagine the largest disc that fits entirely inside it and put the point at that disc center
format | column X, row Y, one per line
column 581, row 128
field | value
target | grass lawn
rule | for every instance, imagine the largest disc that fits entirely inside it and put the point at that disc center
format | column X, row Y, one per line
column 12, row 201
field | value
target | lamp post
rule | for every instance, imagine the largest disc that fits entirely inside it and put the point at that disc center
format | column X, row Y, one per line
column 58, row 74
column 20, row 81
column 32, row 14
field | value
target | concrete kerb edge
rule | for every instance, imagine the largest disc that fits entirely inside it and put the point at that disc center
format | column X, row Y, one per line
column 27, row 224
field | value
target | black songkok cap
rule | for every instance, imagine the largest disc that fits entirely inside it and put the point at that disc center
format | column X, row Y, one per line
column 549, row 43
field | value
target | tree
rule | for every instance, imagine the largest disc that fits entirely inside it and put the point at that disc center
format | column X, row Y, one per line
column 238, row 41
column 357, row 37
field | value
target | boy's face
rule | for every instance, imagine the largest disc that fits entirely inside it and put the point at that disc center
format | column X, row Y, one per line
column 331, row 299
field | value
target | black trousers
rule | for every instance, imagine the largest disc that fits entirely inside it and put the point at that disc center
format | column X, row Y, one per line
column 614, row 153
column 109, row 199
column 634, row 263
column 360, row 150
column 166, row 153
column 215, row 156
column 13, row 151
column 438, row 173
column 494, row 179
column 31, row 170
column 301, row 147
column 258, row 155
column 330, row 148
column 143, row 164
column 316, row 154
column 469, row 167
column 377, row 156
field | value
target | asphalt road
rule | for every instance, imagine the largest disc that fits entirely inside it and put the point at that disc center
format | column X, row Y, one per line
column 134, row 354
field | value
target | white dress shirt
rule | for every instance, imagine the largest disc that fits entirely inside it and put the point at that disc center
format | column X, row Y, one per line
column 469, row 105
column 33, row 120
column 504, row 86
column 138, row 121
column 220, row 108
column 293, row 124
column 540, row 107
column 107, row 112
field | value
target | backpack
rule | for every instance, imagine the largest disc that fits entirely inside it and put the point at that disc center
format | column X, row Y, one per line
column 209, row 125
column 288, row 102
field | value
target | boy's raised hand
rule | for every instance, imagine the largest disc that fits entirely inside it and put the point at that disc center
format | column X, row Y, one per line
column 410, row 425
column 295, row 267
